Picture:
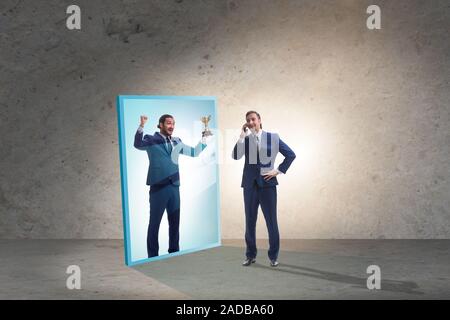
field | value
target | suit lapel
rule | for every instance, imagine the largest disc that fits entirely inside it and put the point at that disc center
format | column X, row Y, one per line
column 266, row 147
column 263, row 142
column 162, row 142
column 268, row 143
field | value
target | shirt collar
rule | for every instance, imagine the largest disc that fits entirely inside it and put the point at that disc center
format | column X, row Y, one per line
column 258, row 134
column 164, row 136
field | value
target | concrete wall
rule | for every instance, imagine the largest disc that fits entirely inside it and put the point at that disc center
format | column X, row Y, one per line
column 367, row 112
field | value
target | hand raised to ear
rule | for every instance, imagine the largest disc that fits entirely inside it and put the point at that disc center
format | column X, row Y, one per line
column 244, row 130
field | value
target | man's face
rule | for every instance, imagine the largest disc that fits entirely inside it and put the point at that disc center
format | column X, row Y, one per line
column 168, row 126
column 253, row 122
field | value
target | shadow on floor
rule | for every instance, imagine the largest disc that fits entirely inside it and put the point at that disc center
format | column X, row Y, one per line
column 218, row 274
column 357, row 282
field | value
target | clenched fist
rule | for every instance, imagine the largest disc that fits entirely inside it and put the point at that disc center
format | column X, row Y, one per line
column 143, row 120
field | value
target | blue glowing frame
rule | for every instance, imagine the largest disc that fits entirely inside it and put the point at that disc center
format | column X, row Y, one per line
column 124, row 182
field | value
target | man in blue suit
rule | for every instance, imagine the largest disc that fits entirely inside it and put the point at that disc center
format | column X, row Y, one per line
column 163, row 178
column 259, row 182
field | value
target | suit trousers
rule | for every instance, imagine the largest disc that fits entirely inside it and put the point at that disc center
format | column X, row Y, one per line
column 163, row 197
column 266, row 197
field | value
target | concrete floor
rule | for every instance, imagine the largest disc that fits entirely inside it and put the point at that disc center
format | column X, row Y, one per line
column 309, row 269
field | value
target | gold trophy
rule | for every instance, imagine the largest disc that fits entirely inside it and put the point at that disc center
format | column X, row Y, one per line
column 206, row 132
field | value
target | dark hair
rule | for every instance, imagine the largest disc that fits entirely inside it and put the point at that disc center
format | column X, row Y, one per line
column 162, row 119
column 257, row 114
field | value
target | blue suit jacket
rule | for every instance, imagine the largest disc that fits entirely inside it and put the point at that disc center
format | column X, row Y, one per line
column 163, row 166
column 263, row 160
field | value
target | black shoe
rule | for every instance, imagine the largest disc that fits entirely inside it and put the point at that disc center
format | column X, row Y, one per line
column 274, row 263
column 248, row 262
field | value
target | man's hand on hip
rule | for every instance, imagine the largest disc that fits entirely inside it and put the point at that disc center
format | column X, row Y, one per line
column 269, row 175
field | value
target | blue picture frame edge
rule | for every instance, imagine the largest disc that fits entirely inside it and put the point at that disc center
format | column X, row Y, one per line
column 124, row 186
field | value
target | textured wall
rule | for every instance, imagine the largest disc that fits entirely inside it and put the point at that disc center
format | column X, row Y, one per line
column 367, row 112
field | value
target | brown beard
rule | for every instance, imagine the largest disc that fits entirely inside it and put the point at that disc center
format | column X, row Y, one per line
column 165, row 132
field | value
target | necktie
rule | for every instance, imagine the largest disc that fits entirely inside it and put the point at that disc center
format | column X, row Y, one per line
column 169, row 145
